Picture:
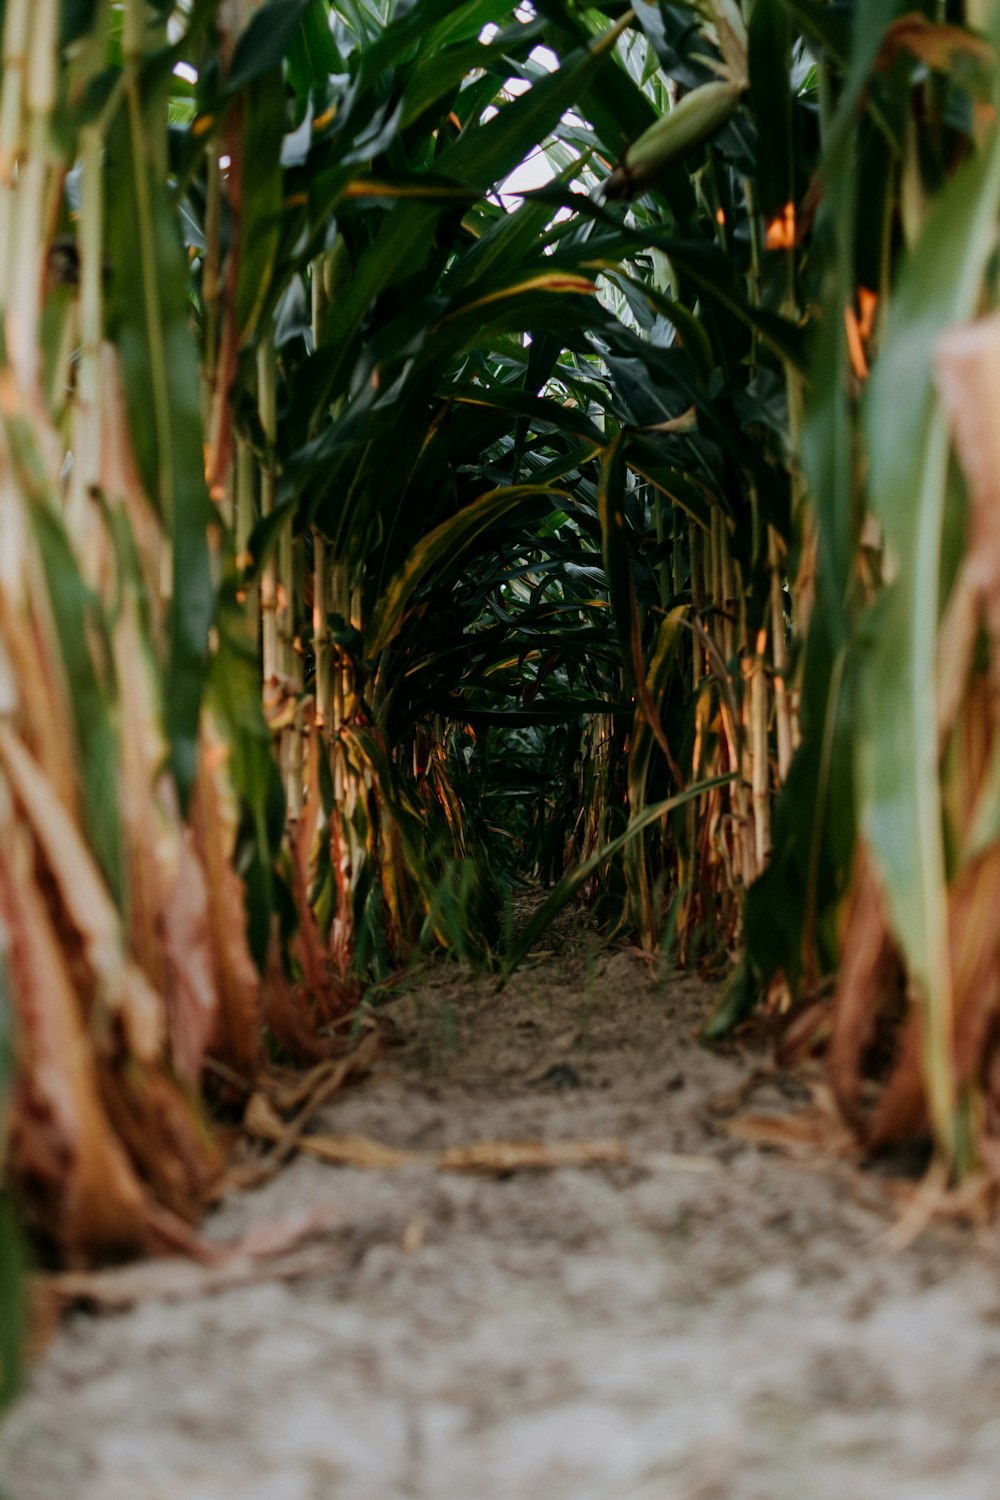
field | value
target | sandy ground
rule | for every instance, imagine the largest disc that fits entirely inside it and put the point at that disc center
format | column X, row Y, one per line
column 724, row 1328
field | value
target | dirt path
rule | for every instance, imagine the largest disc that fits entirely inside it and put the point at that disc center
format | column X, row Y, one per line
column 722, row 1329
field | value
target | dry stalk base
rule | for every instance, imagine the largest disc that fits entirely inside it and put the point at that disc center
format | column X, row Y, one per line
column 636, row 1332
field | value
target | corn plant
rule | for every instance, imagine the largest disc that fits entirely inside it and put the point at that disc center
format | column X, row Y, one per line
column 127, row 948
column 359, row 522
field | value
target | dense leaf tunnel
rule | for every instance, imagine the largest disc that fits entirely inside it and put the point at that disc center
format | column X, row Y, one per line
column 448, row 447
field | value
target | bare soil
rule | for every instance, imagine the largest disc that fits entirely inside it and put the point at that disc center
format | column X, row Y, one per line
column 709, row 1320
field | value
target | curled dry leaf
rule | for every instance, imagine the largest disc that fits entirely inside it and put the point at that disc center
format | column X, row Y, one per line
column 933, row 43
column 870, row 979
column 192, row 998
column 122, row 989
column 169, row 921
column 805, row 1131
column 871, row 984
column 166, row 1135
column 74, row 1177
column 331, row 993
column 355, row 1151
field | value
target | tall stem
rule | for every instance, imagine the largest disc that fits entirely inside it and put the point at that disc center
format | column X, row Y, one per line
column 321, row 635
column 267, row 410
column 760, row 781
column 25, row 271
column 244, row 523
column 87, row 406
column 779, row 656
column 17, row 19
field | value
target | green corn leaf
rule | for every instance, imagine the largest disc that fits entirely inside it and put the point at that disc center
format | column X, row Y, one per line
column 265, row 41
column 443, row 548
column 487, row 154
column 481, row 156
column 76, row 18
column 770, row 44
column 313, row 54
column 567, row 887
column 262, row 120
column 832, row 29
column 234, row 696
column 908, row 454
column 543, row 413
column 77, row 618
column 149, row 315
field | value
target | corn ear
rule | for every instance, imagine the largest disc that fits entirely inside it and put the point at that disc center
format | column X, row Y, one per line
column 696, row 117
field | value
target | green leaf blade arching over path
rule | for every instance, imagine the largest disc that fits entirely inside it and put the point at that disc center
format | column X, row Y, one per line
column 150, row 318
column 444, row 546
column 570, row 883
column 898, row 751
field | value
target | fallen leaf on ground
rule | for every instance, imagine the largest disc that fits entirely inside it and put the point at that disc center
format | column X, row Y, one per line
column 355, row 1151
column 806, row 1130
column 483, row 1156
column 263, row 1254
column 301, row 1089
column 262, row 1120
column 518, row 1156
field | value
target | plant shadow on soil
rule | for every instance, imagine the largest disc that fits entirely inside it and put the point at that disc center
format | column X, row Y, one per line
column 704, row 1321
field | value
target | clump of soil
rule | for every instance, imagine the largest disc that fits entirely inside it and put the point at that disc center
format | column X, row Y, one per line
column 704, row 1321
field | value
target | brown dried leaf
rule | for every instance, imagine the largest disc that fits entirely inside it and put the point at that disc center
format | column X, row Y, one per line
column 262, row 1120
column 931, row 42
column 75, row 1178
column 290, row 1092
column 519, row 1156
column 193, row 1003
column 485, row 1156
column 214, row 820
column 355, row 1151
column 818, row 1128
column 331, row 994
column 805, row 1036
column 165, row 1135
column 975, row 964
column 287, row 1013
column 123, row 989
column 869, row 979
column 168, row 898
column 36, row 679
column 973, row 904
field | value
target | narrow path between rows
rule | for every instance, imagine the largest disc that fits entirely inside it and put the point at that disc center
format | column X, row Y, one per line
column 705, row 1321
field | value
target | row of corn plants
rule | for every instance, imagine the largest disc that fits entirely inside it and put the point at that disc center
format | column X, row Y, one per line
column 373, row 537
